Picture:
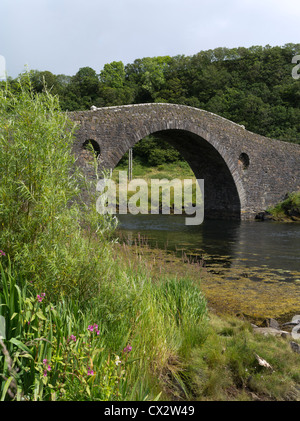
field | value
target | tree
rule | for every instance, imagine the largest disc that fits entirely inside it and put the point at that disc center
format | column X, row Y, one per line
column 42, row 80
column 148, row 74
column 83, row 89
column 113, row 74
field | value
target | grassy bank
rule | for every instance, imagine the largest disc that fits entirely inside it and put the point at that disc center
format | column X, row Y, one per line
column 80, row 318
column 288, row 209
column 236, row 288
column 138, row 340
column 173, row 194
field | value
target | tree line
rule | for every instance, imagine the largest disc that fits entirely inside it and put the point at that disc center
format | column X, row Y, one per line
column 252, row 86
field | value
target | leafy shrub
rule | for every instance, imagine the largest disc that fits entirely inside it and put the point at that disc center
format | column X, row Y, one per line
column 41, row 216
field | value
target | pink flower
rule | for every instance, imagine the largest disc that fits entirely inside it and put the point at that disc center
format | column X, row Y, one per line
column 128, row 348
column 46, row 368
column 72, row 338
column 92, row 327
column 90, row 372
column 2, row 253
column 41, row 297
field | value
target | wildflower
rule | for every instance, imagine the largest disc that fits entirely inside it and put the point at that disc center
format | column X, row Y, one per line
column 45, row 361
column 2, row 253
column 72, row 338
column 128, row 348
column 117, row 360
column 90, row 372
column 40, row 297
column 93, row 327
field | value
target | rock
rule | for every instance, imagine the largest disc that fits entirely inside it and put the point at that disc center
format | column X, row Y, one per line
column 296, row 332
column 264, row 216
column 271, row 331
column 295, row 321
column 294, row 324
column 272, row 323
column 295, row 347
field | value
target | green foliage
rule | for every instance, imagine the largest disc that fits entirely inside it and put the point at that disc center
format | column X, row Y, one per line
column 53, row 352
column 113, row 74
column 40, row 211
column 151, row 151
column 65, row 277
column 250, row 86
column 103, row 351
column 290, row 207
column 226, row 367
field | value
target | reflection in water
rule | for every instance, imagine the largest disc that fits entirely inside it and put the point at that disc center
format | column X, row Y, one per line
column 267, row 244
column 250, row 267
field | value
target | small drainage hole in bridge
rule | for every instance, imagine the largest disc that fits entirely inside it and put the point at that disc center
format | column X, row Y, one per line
column 244, row 161
column 92, row 147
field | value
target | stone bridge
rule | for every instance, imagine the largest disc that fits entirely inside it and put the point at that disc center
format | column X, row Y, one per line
column 244, row 173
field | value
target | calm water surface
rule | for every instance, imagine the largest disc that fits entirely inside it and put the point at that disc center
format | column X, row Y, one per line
column 272, row 245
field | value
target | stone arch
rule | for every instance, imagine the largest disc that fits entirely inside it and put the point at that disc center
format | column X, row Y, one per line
column 223, row 189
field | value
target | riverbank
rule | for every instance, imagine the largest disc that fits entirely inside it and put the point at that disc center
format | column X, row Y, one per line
column 234, row 361
column 287, row 211
column 231, row 288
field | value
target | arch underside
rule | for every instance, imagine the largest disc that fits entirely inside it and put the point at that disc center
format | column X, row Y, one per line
column 221, row 198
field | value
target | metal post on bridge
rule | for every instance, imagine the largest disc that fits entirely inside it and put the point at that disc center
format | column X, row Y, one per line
column 130, row 164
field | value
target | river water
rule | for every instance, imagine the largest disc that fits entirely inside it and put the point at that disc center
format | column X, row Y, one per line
column 261, row 259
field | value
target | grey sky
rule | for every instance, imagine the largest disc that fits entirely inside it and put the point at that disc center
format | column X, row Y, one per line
column 63, row 35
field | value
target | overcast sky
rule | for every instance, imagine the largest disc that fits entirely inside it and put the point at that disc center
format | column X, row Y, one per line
column 64, row 35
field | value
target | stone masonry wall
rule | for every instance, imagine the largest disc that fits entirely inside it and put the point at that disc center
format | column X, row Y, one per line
column 244, row 173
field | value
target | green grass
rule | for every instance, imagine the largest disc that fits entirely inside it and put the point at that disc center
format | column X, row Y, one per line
column 288, row 208
column 226, row 367
column 179, row 169
column 169, row 171
column 161, row 322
